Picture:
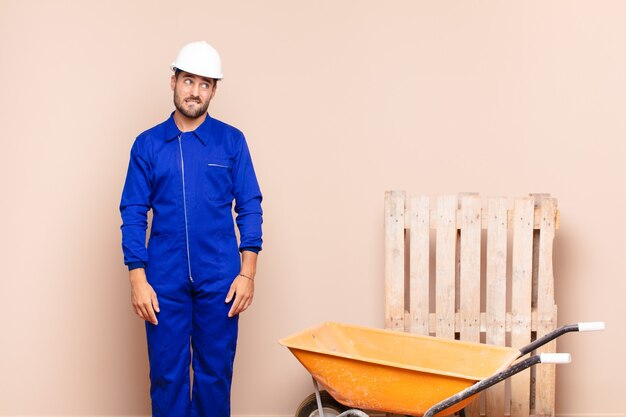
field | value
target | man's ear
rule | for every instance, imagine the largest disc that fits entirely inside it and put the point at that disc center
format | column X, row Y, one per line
column 214, row 89
column 173, row 82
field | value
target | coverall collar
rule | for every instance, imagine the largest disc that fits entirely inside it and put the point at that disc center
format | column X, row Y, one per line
column 202, row 132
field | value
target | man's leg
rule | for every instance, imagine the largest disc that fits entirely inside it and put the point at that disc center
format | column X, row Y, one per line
column 214, row 340
column 169, row 350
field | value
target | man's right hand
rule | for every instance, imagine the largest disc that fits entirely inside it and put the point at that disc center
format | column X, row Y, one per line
column 143, row 297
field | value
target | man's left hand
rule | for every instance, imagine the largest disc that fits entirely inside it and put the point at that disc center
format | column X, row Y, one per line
column 242, row 289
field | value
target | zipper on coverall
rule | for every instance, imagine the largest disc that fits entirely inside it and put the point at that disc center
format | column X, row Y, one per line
column 182, row 170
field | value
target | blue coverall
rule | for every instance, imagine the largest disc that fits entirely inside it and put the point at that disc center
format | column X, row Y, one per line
column 190, row 180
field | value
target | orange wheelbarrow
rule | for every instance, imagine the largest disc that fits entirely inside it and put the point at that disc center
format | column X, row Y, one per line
column 400, row 373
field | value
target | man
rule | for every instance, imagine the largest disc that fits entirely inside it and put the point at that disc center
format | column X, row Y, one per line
column 194, row 279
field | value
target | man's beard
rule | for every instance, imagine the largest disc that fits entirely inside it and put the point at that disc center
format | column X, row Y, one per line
column 190, row 113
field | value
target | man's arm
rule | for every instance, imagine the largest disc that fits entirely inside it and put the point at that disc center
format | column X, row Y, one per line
column 249, row 219
column 134, row 208
column 142, row 296
column 242, row 288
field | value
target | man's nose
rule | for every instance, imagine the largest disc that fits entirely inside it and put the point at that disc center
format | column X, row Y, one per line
column 195, row 89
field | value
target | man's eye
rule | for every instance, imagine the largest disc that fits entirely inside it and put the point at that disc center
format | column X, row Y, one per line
column 187, row 81
column 205, row 85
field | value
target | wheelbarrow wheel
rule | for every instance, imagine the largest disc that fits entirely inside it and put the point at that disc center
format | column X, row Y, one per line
column 308, row 407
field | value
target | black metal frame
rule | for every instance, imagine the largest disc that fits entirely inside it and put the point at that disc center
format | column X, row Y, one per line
column 507, row 373
column 482, row 385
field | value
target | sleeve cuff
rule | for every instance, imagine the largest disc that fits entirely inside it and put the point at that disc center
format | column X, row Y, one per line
column 254, row 249
column 135, row 265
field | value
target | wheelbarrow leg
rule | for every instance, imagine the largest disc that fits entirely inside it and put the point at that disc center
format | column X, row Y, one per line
column 318, row 397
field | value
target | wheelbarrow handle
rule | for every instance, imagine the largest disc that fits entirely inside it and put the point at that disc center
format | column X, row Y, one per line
column 579, row 327
column 556, row 358
column 483, row 385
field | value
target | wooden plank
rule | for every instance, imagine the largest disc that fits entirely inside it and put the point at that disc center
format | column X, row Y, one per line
column 469, row 277
column 445, row 266
column 470, row 268
column 546, row 309
column 419, row 268
column 497, row 220
column 394, row 260
column 536, row 225
column 483, row 322
column 521, row 291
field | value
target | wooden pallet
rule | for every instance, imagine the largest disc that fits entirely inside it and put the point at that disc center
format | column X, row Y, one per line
column 477, row 272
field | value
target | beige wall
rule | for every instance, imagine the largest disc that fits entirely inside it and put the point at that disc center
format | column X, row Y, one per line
column 340, row 100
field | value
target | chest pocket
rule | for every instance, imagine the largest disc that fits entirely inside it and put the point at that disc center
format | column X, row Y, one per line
column 219, row 182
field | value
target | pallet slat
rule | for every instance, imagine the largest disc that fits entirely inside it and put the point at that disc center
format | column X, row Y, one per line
column 521, row 291
column 445, row 266
column 497, row 232
column 546, row 310
column 394, row 260
column 536, row 225
column 419, row 265
column 469, row 277
column 470, row 269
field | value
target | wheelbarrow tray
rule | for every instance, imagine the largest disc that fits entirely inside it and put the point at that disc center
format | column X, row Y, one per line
column 394, row 372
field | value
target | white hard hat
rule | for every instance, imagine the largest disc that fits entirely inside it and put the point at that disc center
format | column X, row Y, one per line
column 199, row 58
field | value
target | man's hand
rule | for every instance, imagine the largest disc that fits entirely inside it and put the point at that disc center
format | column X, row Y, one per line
column 143, row 297
column 242, row 289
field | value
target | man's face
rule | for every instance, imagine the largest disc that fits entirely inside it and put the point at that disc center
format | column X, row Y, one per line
column 192, row 93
